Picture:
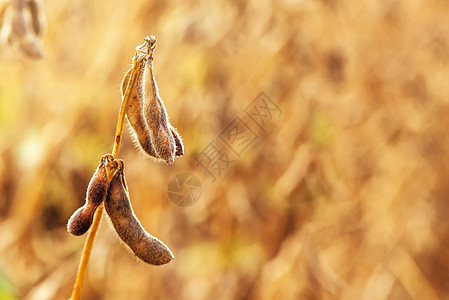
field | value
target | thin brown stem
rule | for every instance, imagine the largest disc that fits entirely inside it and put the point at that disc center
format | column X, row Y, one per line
column 121, row 117
column 86, row 254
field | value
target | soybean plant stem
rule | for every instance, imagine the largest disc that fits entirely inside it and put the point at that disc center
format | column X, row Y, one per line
column 121, row 117
column 96, row 222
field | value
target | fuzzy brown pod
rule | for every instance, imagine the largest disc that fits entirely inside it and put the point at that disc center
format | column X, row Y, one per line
column 146, row 112
column 82, row 218
column 146, row 247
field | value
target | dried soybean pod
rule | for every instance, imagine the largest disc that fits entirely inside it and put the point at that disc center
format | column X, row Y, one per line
column 134, row 111
column 18, row 24
column 82, row 218
column 37, row 16
column 154, row 110
column 31, row 46
column 117, row 204
column 16, row 29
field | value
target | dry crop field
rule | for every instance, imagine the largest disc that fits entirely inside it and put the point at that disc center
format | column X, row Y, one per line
column 328, row 121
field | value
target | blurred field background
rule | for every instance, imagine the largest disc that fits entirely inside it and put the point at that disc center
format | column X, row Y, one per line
column 344, row 196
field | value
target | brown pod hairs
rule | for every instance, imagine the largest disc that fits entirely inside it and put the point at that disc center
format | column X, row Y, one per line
column 178, row 142
column 82, row 218
column 117, row 204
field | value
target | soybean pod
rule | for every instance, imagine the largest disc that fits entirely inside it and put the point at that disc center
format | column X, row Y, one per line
column 82, row 218
column 146, row 112
column 146, row 247
column 134, row 111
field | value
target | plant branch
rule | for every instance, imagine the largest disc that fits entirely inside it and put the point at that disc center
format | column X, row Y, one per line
column 96, row 222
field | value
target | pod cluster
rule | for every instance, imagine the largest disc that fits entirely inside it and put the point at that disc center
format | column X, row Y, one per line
column 113, row 192
column 157, row 138
column 21, row 25
column 146, row 111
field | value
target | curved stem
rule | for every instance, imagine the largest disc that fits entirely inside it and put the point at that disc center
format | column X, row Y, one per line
column 96, row 222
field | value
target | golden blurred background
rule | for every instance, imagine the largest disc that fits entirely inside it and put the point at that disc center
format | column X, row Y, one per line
column 342, row 194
